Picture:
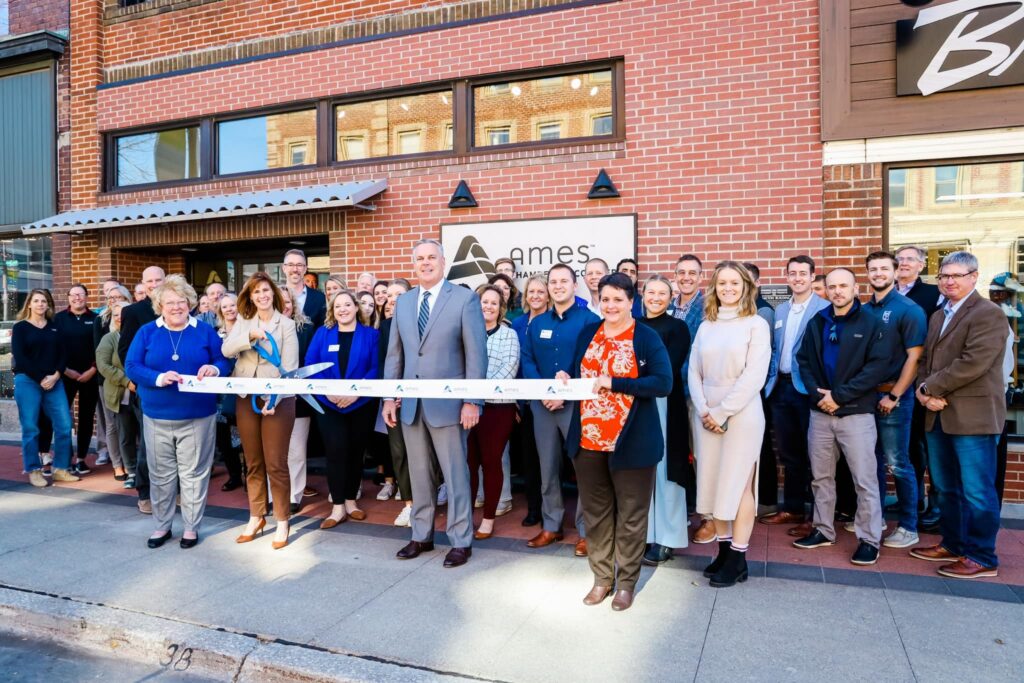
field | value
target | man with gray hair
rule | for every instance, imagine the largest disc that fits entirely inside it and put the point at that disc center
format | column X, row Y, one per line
column 365, row 282
column 961, row 384
column 437, row 332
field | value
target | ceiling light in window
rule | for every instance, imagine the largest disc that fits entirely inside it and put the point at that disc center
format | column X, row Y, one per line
column 593, row 91
column 404, row 106
column 444, row 98
column 516, row 91
column 341, row 113
column 575, row 83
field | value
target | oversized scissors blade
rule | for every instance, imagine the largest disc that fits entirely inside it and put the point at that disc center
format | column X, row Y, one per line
column 313, row 402
column 307, row 371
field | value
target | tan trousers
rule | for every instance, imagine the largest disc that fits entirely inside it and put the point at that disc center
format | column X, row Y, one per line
column 265, row 444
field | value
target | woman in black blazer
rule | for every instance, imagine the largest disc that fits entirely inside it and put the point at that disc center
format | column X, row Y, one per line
column 616, row 439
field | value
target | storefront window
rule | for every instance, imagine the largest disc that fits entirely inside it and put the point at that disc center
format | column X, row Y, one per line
column 412, row 124
column 27, row 266
column 543, row 109
column 264, row 142
column 159, row 156
column 972, row 207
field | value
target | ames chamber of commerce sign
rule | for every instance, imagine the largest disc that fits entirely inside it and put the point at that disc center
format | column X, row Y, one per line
column 960, row 45
column 535, row 245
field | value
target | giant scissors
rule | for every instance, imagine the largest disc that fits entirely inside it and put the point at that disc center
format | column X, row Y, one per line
column 273, row 356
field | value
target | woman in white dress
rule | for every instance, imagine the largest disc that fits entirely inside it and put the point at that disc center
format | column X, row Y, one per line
column 728, row 367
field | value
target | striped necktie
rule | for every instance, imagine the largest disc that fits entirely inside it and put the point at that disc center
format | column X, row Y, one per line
column 424, row 312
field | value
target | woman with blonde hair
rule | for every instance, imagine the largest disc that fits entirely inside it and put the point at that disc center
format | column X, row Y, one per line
column 265, row 344
column 728, row 366
column 115, row 392
column 333, row 285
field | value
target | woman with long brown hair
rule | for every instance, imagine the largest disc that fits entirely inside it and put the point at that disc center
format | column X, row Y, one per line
column 728, row 366
column 265, row 344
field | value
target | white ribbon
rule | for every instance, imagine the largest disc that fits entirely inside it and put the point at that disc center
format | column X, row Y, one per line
column 462, row 389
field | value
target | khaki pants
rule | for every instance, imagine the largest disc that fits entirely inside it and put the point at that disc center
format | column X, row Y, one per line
column 856, row 435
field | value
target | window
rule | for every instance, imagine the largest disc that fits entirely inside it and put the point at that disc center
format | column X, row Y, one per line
column 410, row 124
column 5, row 21
column 264, row 142
column 298, row 153
column 157, row 157
column 351, row 147
column 945, row 183
column 601, row 124
column 515, row 107
column 897, row 188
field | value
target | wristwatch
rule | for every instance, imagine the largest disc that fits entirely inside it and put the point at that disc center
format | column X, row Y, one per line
column 924, row 389
column 893, row 397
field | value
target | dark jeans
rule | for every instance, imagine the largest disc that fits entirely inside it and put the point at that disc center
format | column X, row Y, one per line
column 346, row 436
column 524, row 449
column 919, row 452
column 963, row 469
column 893, row 453
column 88, row 396
column 791, row 417
column 142, row 469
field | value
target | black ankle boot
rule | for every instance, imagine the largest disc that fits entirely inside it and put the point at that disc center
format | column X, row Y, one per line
column 723, row 552
column 733, row 570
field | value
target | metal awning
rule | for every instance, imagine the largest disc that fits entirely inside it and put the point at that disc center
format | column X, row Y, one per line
column 205, row 208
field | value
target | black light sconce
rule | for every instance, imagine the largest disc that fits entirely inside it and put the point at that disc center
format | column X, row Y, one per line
column 603, row 187
column 462, row 198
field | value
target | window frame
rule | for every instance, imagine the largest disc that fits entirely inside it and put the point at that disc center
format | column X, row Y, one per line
column 325, row 144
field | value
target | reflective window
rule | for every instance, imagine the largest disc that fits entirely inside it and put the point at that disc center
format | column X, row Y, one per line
column 156, row 157
column 265, row 142
column 5, row 24
column 411, row 124
column 945, row 183
column 27, row 266
column 897, row 187
column 550, row 108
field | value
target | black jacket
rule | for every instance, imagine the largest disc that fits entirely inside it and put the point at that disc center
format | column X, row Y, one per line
column 675, row 335
column 926, row 296
column 315, row 307
column 863, row 363
column 132, row 318
column 641, row 442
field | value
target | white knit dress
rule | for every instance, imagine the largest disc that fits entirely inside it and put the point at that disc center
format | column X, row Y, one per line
column 728, row 367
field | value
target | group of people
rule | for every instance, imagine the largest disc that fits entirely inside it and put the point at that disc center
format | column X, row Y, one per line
column 695, row 393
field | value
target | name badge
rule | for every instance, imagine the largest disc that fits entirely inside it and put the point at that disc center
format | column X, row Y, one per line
column 778, row 324
column 334, row 348
column 545, row 334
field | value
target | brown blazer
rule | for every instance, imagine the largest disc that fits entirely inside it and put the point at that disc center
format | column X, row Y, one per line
column 965, row 366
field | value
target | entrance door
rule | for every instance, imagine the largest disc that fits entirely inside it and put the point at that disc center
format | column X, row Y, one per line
column 232, row 266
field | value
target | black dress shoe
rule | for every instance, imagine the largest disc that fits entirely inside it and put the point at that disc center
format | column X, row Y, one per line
column 295, row 508
column 815, row 540
column 866, row 554
column 187, row 543
column 413, row 549
column 716, row 564
column 231, row 485
column 159, row 540
column 457, row 557
column 657, row 554
column 532, row 519
column 733, row 570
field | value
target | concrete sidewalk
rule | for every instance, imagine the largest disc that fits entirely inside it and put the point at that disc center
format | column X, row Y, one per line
column 339, row 599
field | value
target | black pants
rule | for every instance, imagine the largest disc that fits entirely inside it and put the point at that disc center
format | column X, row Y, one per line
column 128, row 434
column 768, row 483
column 919, row 450
column 346, row 436
column 791, row 417
column 142, row 471
column 523, row 451
column 88, row 395
column 231, row 456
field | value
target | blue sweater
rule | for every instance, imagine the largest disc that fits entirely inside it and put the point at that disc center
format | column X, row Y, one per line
column 150, row 355
column 362, row 360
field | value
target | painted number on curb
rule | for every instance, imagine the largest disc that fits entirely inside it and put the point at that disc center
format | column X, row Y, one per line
column 178, row 656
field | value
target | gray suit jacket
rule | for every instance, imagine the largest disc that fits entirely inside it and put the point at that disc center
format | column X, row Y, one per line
column 454, row 346
column 814, row 304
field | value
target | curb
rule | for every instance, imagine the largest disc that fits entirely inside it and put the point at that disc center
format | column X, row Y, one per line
column 183, row 647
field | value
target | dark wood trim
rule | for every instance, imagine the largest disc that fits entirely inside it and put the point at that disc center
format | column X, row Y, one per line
column 324, row 143
column 834, row 48
column 462, row 119
column 206, row 153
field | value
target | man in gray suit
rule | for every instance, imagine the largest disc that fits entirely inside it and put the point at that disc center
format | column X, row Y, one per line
column 437, row 333
column 786, row 393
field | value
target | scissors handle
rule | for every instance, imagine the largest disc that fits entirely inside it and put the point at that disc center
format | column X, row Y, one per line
column 274, row 358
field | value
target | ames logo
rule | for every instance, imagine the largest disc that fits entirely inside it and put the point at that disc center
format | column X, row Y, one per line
column 473, row 266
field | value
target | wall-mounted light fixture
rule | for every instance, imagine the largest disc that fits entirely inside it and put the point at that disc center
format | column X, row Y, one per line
column 603, row 187
column 462, row 198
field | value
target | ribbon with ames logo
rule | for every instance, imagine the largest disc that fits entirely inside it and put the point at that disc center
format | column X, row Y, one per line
column 477, row 389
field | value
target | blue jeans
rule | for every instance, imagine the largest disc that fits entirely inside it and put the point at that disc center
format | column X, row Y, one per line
column 963, row 469
column 31, row 398
column 893, row 450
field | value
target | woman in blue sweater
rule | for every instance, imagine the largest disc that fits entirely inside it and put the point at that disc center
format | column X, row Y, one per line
column 347, row 421
column 179, row 428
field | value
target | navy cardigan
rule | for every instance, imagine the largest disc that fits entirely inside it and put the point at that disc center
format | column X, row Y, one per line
column 362, row 360
column 641, row 443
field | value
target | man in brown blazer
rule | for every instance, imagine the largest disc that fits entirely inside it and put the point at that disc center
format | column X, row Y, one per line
column 960, row 382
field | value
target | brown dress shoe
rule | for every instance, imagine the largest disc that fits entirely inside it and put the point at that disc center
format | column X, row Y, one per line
column 934, row 553
column 457, row 557
column 623, row 600
column 596, row 595
column 329, row 523
column 581, row 548
column 544, row 538
column 705, row 533
column 413, row 549
column 357, row 515
column 782, row 518
column 801, row 530
column 966, row 568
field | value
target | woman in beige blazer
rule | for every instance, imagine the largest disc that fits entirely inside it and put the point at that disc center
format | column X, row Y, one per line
column 265, row 434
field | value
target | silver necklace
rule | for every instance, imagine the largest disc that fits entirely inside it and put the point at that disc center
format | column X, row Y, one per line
column 174, row 345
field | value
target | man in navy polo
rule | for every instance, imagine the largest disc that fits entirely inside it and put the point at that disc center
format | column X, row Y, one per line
column 904, row 327
column 549, row 346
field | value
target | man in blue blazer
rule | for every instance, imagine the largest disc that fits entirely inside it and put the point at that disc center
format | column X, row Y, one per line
column 437, row 332
column 310, row 301
column 786, row 394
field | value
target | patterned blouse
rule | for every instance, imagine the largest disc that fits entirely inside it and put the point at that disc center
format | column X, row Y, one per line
column 602, row 418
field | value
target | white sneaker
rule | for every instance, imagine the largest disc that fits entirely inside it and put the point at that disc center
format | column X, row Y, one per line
column 404, row 517
column 478, row 503
column 359, row 493
column 848, row 526
column 398, row 493
column 103, row 457
column 442, row 494
column 46, row 458
column 901, row 538
column 386, row 491
column 330, row 498
column 504, row 507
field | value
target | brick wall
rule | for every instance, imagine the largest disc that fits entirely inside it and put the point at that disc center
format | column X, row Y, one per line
column 27, row 16
column 852, row 216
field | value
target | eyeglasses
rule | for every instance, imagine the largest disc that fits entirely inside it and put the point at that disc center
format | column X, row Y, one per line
column 294, row 265
column 954, row 277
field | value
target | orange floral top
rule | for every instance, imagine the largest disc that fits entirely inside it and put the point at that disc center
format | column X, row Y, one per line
column 602, row 418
